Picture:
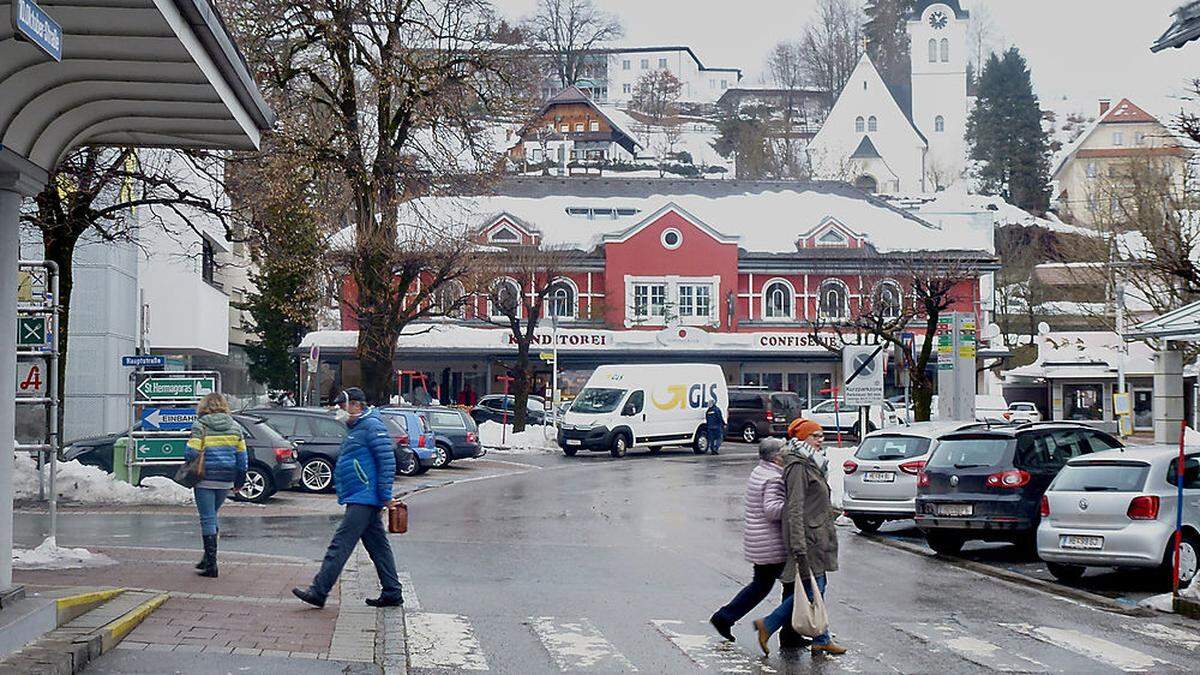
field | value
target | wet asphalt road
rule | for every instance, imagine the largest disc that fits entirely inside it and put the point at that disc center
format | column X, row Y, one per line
column 590, row 564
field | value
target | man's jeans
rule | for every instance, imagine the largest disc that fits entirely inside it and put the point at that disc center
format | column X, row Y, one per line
column 749, row 597
column 782, row 616
column 714, row 441
column 361, row 522
column 208, row 501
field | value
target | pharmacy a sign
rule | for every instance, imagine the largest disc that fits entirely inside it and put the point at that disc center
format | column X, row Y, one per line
column 32, row 24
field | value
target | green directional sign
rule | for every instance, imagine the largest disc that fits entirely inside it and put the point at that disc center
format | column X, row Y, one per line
column 175, row 388
column 31, row 331
column 160, row 448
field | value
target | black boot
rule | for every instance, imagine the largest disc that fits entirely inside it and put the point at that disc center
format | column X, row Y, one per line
column 210, row 556
column 204, row 558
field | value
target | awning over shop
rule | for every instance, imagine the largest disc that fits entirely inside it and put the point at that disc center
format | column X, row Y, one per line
column 1182, row 324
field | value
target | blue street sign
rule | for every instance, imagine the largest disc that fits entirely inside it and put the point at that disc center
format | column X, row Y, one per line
column 167, row 419
column 31, row 23
column 142, row 360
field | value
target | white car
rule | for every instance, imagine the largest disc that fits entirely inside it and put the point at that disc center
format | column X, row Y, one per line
column 1022, row 412
column 988, row 408
column 835, row 415
column 1117, row 508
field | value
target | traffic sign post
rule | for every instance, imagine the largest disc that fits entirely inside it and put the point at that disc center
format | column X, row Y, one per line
column 956, row 345
column 38, row 363
column 862, row 372
column 163, row 407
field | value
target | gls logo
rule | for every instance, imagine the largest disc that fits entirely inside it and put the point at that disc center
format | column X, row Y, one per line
column 684, row 396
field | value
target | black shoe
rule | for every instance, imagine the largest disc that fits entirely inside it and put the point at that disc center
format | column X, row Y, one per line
column 385, row 601
column 209, row 568
column 308, row 596
column 722, row 628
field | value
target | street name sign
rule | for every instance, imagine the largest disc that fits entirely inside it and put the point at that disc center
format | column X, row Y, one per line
column 32, row 24
column 167, row 419
column 31, row 331
column 143, row 360
column 862, row 369
column 160, row 448
column 175, row 388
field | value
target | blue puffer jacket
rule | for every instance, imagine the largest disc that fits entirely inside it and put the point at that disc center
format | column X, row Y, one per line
column 714, row 420
column 367, row 466
column 224, row 448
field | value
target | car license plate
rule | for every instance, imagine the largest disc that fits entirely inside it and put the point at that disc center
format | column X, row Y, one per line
column 573, row 441
column 879, row 477
column 1080, row 541
column 955, row 510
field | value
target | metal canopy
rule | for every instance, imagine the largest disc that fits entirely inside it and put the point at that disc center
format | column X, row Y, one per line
column 146, row 73
column 1181, row 324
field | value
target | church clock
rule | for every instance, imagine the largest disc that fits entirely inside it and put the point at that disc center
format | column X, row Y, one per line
column 938, row 20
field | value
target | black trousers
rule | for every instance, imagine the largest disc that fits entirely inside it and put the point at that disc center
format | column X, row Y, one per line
column 755, row 592
column 360, row 523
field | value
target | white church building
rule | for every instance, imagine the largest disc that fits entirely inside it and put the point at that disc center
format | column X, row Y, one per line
column 895, row 141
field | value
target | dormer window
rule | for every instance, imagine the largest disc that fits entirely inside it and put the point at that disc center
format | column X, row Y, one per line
column 504, row 235
column 831, row 238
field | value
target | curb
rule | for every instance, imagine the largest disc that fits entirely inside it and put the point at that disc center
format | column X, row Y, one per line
column 1186, row 607
column 1015, row 578
column 70, row 607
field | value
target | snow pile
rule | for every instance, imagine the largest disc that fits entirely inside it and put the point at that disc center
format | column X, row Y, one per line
column 1164, row 602
column 534, row 440
column 837, row 456
column 89, row 485
column 50, row 556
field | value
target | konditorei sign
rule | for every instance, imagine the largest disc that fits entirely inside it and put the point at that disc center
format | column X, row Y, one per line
column 32, row 24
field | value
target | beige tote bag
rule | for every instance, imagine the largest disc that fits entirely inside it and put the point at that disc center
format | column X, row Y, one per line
column 809, row 618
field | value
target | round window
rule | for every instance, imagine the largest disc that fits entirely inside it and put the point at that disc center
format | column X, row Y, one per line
column 671, row 239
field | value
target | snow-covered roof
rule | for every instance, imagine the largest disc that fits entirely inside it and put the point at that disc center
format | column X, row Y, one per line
column 1085, row 354
column 765, row 216
column 623, row 122
column 1123, row 112
column 1184, row 29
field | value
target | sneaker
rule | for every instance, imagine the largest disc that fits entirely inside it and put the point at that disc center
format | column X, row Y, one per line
column 764, row 637
column 385, row 601
column 831, row 649
column 722, row 628
column 308, row 596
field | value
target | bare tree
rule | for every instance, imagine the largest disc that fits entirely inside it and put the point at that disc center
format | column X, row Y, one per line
column 832, row 44
column 568, row 30
column 787, row 71
column 655, row 97
column 983, row 37
column 1189, row 121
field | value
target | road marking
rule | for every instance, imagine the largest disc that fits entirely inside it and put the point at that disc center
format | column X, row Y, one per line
column 1110, row 653
column 710, row 651
column 442, row 641
column 411, row 602
column 1168, row 634
column 979, row 652
column 576, row 644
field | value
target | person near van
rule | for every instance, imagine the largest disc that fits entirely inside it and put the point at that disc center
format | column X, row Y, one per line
column 762, row 538
column 363, row 478
column 714, row 427
column 809, row 532
column 219, row 438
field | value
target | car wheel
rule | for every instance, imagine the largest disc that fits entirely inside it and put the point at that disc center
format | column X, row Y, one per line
column 409, row 465
column 258, row 488
column 944, row 543
column 749, row 433
column 620, row 445
column 1189, row 549
column 316, row 475
column 868, row 525
column 1066, row 573
column 700, row 442
column 570, row 451
column 441, row 456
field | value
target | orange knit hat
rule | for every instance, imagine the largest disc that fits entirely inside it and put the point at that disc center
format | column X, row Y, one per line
column 802, row 428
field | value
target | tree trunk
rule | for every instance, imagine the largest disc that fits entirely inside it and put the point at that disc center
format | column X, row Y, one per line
column 922, row 386
column 58, row 246
column 520, row 387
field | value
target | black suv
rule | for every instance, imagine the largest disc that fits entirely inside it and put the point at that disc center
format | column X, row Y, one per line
column 987, row 483
column 317, row 435
column 755, row 413
column 499, row 407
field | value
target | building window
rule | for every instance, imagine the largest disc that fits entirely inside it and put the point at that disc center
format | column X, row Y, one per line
column 695, row 301
column 777, row 300
column 859, row 124
column 505, row 300
column 872, row 124
column 1091, row 169
column 833, row 302
column 1118, row 138
column 945, row 50
column 578, row 127
column 712, row 83
column 662, row 63
column 626, row 88
column 933, row 49
column 562, row 299
column 671, row 239
column 565, row 128
column 724, row 84
column 208, row 260
column 504, row 236
column 1140, row 138
column 649, row 301
column 939, row 124
column 448, row 299
column 865, row 183
column 625, row 64
column 535, row 155
column 888, row 302
column 594, row 125
column 645, row 64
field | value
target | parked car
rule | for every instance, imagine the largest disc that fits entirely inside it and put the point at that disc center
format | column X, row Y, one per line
column 838, row 417
column 1117, row 509
column 1020, row 411
column 496, row 407
column 456, row 436
column 318, row 437
column 987, row 483
column 881, row 478
column 755, row 413
column 414, row 438
column 272, row 461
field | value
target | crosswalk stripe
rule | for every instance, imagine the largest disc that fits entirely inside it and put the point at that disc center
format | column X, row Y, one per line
column 1110, row 653
column 442, row 641
column 577, row 645
column 710, row 651
column 411, row 602
column 1168, row 634
column 973, row 649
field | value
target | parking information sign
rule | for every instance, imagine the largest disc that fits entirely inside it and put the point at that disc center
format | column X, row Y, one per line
column 862, row 372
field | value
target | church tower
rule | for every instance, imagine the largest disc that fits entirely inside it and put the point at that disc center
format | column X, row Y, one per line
column 938, row 33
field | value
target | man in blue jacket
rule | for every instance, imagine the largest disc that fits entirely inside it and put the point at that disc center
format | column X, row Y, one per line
column 363, row 477
column 714, row 427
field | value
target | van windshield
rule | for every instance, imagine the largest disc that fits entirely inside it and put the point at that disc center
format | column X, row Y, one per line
column 593, row 400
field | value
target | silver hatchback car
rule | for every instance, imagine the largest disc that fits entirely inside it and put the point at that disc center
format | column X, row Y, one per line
column 881, row 479
column 1117, row 508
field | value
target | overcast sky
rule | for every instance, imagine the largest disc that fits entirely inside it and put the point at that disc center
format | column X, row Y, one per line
column 1085, row 49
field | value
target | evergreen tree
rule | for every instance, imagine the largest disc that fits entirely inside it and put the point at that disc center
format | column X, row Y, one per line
column 887, row 39
column 1006, row 136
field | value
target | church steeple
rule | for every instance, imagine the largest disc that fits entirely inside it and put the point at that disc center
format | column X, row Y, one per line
column 937, row 31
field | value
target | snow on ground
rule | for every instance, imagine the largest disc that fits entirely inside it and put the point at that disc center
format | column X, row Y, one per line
column 536, row 439
column 1164, row 601
column 89, row 485
column 50, row 556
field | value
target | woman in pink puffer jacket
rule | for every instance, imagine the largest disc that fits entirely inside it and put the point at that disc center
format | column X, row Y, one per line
column 762, row 538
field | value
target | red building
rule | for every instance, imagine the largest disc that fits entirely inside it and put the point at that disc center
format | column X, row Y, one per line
column 754, row 276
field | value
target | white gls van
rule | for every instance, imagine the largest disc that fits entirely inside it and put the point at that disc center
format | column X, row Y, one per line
column 648, row 405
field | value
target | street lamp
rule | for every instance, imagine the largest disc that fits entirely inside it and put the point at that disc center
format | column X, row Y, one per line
column 560, row 295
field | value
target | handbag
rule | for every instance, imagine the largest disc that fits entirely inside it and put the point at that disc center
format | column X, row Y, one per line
column 809, row 618
column 191, row 473
column 397, row 513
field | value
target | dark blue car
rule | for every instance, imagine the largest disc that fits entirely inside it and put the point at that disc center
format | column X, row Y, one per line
column 415, row 442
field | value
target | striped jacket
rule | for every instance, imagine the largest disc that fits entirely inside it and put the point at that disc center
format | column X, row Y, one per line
column 762, row 538
column 224, row 448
